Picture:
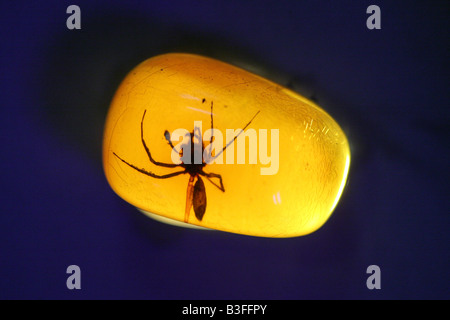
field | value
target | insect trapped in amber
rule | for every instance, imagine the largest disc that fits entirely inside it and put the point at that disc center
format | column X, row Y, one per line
column 199, row 141
column 192, row 164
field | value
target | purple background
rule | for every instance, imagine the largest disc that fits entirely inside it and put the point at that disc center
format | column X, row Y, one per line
column 388, row 89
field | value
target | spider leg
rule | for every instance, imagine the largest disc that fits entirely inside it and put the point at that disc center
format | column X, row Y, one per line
column 212, row 124
column 197, row 133
column 148, row 173
column 161, row 164
column 189, row 197
column 167, row 136
column 235, row 137
column 214, row 175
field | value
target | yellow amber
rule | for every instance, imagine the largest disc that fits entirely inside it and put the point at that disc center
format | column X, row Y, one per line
column 290, row 192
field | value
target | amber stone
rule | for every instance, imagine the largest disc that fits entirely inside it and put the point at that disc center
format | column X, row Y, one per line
column 281, row 177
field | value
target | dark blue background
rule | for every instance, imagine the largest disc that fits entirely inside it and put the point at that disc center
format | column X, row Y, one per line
column 388, row 89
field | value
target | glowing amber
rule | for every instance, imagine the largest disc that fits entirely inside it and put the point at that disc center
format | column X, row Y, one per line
column 290, row 198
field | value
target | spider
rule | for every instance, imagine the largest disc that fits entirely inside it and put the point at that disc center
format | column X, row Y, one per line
column 195, row 194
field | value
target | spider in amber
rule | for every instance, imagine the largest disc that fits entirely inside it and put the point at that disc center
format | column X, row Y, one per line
column 195, row 193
